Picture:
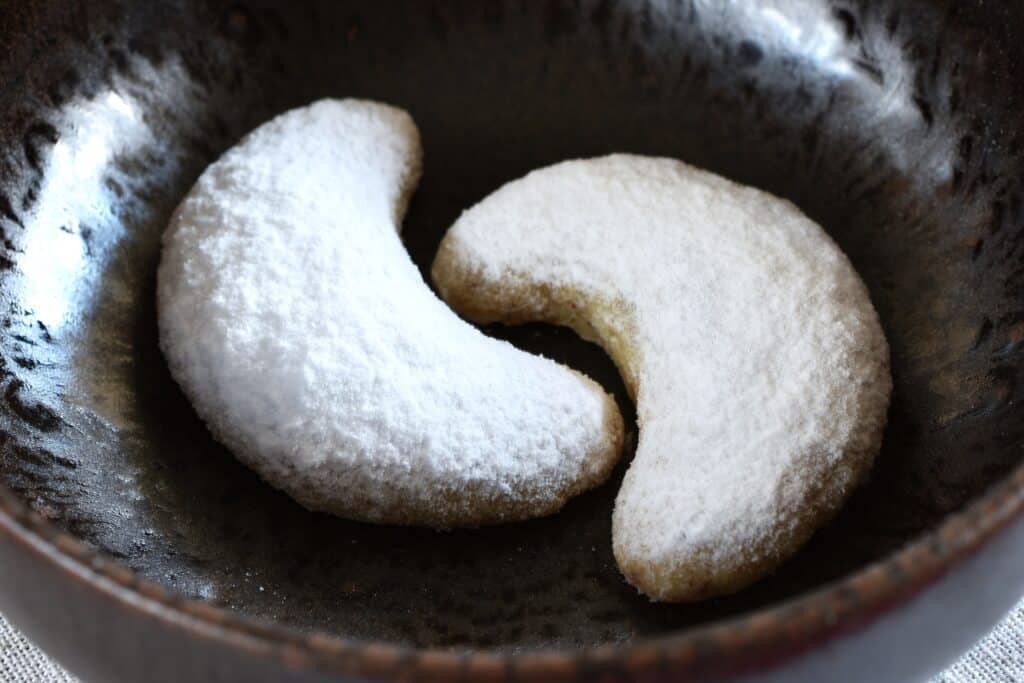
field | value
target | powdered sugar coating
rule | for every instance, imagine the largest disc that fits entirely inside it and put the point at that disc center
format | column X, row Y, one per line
column 295, row 321
column 758, row 364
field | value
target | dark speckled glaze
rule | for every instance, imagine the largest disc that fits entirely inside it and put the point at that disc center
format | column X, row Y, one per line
column 896, row 125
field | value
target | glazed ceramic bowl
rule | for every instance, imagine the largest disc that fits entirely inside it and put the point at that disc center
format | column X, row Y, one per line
column 132, row 547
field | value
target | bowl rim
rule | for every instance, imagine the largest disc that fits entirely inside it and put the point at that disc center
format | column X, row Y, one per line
column 754, row 641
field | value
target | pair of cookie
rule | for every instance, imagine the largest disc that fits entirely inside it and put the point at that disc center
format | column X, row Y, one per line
column 295, row 321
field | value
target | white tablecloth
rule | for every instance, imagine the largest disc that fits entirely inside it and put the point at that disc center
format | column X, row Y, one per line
column 999, row 658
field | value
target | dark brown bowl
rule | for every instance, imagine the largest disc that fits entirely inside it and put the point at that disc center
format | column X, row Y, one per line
column 896, row 125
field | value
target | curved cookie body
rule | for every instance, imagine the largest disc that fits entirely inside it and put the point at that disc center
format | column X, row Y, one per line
column 749, row 343
column 295, row 321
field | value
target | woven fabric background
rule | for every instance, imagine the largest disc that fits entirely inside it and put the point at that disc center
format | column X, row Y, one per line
column 999, row 658
column 22, row 662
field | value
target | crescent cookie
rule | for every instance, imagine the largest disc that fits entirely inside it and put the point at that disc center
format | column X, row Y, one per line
column 305, row 337
column 757, row 362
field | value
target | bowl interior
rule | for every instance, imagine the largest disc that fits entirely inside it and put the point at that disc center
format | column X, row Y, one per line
column 860, row 116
